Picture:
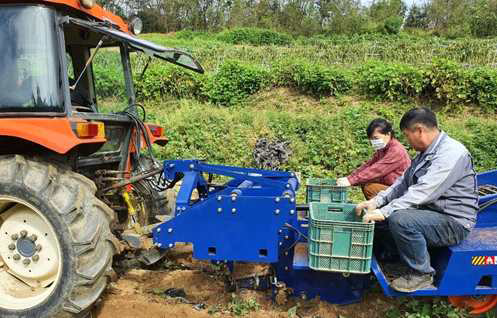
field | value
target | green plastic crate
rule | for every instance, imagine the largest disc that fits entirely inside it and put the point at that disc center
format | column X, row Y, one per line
column 338, row 241
column 325, row 191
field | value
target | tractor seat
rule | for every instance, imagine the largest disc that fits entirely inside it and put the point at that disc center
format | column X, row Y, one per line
column 479, row 239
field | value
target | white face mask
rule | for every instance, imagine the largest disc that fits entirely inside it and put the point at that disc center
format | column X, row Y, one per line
column 378, row 144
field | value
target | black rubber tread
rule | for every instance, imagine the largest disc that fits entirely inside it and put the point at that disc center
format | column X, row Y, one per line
column 82, row 225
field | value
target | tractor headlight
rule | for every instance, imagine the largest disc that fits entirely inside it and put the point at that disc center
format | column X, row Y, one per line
column 88, row 4
column 136, row 25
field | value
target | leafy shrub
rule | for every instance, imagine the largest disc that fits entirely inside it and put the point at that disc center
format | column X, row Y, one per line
column 483, row 83
column 190, row 34
column 234, row 82
column 255, row 36
column 391, row 81
column 483, row 19
column 312, row 79
column 449, row 83
column 109, row 78
column 320, row 81
column 168, row 80
column 392, row 25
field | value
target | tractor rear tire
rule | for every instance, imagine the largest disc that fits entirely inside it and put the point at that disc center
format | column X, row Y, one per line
column 65, row 237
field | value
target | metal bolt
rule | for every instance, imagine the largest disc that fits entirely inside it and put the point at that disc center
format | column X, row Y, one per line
column 14, row 237
column 277, row 211
column 171, row 165
column 288, row 185
column 292, row 212
column 169, row 230
column 280, row 243
column 219, row 198
column 286, row 253
column 219, row 210
column 159, row 245
column 233, row 210
column 38, row 248
column 292, row 200
column 24, row 233
column 171, row 245
column 286, row 268
column 16, row 257
column 12, row 247
column 277, row 199
column 34, row 237
column 183, row 208
column 26, row 261
column 192, row 166
column 280, row 231
column 233, row 197
column 158, row 230
column 286, row 237
column 36, row 258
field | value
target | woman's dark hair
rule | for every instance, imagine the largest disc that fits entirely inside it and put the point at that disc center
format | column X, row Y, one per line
column 384, row 126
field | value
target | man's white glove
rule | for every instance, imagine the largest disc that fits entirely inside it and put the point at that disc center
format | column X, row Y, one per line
column 368, row 205
column 373, row 216
column 343, row 182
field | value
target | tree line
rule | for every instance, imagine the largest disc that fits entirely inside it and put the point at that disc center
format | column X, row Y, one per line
column 451, row 18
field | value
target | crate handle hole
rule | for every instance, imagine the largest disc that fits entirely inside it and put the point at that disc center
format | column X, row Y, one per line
column 211, row 250
column 331, row 209
column 263, row 252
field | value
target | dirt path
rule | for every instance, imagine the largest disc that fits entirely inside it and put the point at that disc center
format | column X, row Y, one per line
column 141, row 293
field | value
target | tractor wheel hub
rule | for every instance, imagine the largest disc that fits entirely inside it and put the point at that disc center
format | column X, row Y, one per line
column 30, row 256
column 26, row 247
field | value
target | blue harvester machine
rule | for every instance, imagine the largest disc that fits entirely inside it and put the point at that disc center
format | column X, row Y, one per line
column 254, row 218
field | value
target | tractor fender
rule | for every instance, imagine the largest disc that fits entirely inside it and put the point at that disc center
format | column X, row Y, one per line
column 55, row 134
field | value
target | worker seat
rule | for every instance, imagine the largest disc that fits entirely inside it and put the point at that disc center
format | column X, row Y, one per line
column 478, row 240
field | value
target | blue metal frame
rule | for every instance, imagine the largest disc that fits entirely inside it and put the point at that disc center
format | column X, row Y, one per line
column 488, row 216
column 238, row 221
column 253, row 217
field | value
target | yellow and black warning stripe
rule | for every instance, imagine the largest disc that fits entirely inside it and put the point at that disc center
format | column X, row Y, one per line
column 478, row 260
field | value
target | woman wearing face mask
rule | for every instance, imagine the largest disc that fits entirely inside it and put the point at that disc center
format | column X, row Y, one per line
column 389, row 161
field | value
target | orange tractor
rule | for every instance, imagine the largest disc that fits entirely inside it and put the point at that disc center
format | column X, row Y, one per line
column 77, row 185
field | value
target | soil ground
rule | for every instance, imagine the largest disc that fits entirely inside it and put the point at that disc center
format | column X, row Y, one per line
column 142, row 293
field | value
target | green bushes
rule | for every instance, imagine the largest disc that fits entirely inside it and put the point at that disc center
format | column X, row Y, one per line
column 312, row 79
column 442, row 82
column 234, row 82
column 449, row 83
column 483, row 84
column 167, row 80
column 391, row 81
column 254, row 36
column 392, row 25
column 109, row 78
